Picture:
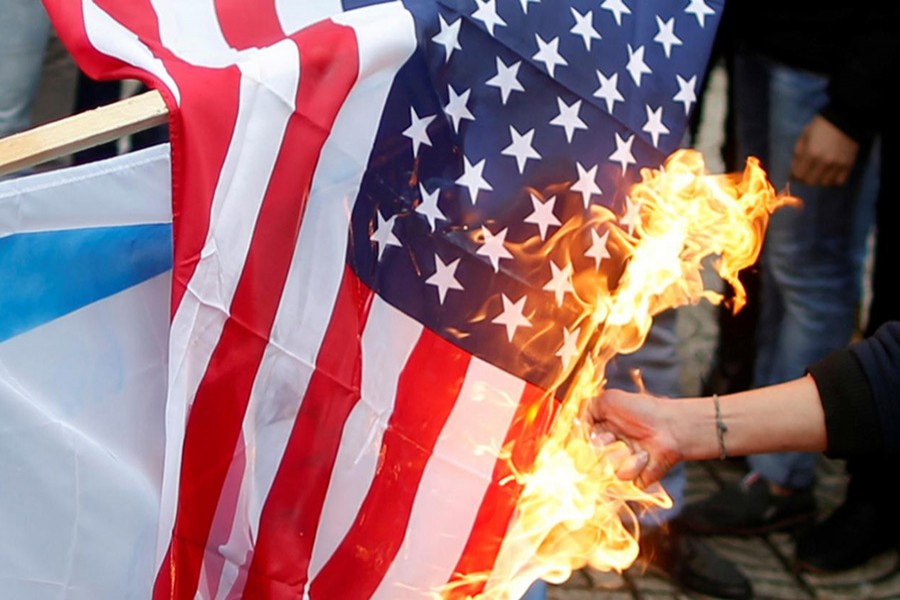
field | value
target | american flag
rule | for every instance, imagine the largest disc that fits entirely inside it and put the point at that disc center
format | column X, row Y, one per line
column 380, row 262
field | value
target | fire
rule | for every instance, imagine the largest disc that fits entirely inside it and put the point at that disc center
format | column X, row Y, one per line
column 573, row 509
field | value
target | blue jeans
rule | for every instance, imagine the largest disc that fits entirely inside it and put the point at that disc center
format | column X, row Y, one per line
column 810, row 277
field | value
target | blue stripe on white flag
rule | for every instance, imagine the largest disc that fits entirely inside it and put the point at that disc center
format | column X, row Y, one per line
column 49, row 274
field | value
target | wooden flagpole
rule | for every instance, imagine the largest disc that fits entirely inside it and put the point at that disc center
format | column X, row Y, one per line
column 81, row 131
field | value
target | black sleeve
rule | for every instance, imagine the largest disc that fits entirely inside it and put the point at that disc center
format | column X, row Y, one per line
column 858, row 85
column 879, row 357
column 860, row 392
column 851, row 420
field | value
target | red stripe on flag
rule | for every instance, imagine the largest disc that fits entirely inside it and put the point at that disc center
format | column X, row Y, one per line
column 201, row 137
column 290, row 516
column 328, row 52
column 409, row 439
column 533, row 417
column 264, row 29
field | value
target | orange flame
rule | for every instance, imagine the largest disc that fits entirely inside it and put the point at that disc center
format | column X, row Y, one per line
column 573, row 509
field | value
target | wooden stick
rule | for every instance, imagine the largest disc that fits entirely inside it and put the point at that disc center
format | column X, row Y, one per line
column 81, row 131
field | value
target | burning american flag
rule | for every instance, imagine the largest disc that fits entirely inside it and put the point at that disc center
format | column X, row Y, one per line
column 394, row 223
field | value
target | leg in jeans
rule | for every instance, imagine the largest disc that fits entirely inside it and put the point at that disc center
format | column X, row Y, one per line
column 810, row 267
column 809, row 288
column 867, row 523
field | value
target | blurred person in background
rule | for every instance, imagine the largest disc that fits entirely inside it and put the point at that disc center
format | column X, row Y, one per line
column 809, row 83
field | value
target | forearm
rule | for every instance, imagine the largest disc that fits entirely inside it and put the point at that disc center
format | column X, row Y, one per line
column 784, row 417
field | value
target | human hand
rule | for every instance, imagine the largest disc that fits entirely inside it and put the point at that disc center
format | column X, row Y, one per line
column 823, row 154
column 641, row 422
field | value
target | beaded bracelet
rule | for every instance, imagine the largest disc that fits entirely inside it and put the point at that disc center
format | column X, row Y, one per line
column 721, row 429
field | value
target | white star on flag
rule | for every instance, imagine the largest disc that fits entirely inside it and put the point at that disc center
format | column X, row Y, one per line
column 417, row 130
column 506, row 79
column 448, row 36
column 699, row 9
column 617, row 8
column 686, row 93
column 569, row 349
column 384, row 234
column 512, row 316
column 456, row 108
column 666, row 35
column 636, row 65
column 622, row 154
column 473, row 180
column 598, row 250
column 494, row 247
column 520, row 148
column 525, row 4
column 548, row 53
column 608, row 90
column 586, row 184
column 568, row 118
column 444, row 277
column 632, row 216
column 487, row 14
column 560, row 282
column 584, row 27
column 654, row 125
column 428, row 207
column 542, row 215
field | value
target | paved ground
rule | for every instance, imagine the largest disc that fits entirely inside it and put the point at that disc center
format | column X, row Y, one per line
column 765, row 559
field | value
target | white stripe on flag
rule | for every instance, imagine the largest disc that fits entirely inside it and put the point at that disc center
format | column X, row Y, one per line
column 191, row 31
column 455, row 480
column 386, row 35
column 263, row 114
column 109, row 37
column 294, row 15
column 320, row 256
column 387, row 343
column 315, row 276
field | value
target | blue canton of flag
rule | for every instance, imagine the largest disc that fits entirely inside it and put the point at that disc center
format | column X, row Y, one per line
column 503, row 133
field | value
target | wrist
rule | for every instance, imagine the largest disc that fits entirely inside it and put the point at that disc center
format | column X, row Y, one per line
column 681, row 419
column 693, row 425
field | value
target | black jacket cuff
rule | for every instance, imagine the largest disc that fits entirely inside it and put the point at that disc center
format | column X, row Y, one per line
column 851, row 421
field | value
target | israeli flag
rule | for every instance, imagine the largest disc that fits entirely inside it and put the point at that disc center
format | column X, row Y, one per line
column 85, row 260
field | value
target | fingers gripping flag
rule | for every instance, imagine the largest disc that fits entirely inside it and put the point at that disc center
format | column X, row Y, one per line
column 377, row 262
